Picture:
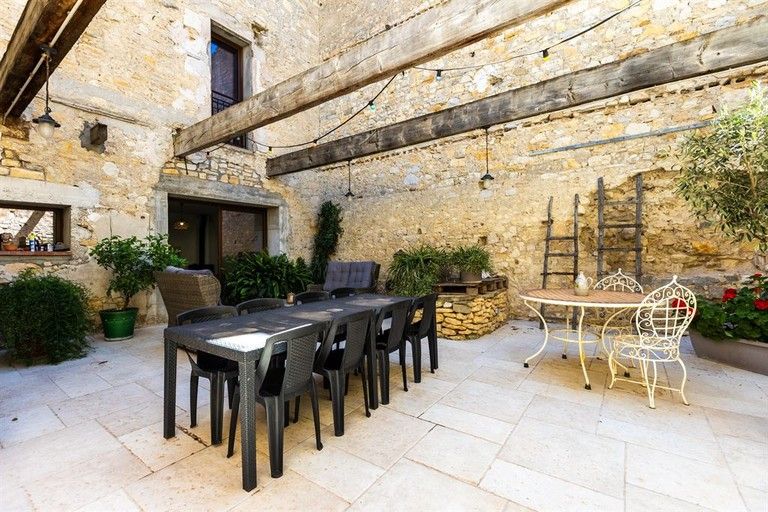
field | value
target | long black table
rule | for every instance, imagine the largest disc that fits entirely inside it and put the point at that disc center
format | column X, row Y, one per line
column 242, row 339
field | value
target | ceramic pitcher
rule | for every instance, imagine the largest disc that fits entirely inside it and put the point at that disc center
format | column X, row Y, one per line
column 583, row 284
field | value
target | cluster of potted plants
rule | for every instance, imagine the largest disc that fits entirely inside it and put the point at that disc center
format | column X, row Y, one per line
column 724, row 178
column 415, row 271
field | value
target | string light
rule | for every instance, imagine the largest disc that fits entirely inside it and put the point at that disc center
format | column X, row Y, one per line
column 371, row 104
column 544, row 52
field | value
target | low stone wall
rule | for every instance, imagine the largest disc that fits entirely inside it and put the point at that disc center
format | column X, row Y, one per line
column 464, row 317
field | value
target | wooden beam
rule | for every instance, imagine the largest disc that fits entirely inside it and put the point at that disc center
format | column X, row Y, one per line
column 715, row 51
column 436, row 32
column 39, row 23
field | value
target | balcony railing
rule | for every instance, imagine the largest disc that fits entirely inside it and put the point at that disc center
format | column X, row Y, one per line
column 219, row 102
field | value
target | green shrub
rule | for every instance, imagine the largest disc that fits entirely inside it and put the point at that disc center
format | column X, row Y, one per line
column 329, row 231
column 473, row 259
column 724, row 174
column 739, row 314
column 252, row 275
column 44, row 318
column 134, row 261
column 414, row 272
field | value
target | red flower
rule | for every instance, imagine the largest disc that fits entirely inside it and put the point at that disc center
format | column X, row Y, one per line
column 761, row 304
column 729, row 293
column 758, row 275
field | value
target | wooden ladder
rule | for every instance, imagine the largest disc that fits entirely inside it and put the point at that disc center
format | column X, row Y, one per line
column 549, row 253
column 616, row 209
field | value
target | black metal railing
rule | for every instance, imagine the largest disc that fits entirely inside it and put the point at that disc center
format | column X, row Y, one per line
column 219, row 102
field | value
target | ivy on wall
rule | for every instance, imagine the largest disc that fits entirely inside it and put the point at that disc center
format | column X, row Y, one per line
column 329, row 231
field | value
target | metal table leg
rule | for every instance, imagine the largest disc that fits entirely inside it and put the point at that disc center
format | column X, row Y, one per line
column 169, row 390
column 248, row 421
column 581, row 348
column 546, row 333
column 373, row 385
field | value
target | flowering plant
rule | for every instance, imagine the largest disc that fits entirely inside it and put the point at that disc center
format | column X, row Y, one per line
column 740, row 313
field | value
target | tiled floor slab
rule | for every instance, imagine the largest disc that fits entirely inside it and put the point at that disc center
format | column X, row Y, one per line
column 424, row 489
column 107, row 440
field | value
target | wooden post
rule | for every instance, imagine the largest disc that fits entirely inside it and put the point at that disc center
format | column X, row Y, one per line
column 715, row 51
column 436, row 32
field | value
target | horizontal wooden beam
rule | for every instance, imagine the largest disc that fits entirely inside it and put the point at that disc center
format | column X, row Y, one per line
column 39, row 23
column 436, row 32
column 715, row 51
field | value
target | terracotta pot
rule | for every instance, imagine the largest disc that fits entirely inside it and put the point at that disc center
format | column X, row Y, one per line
column 745, row 354
column 10, row 247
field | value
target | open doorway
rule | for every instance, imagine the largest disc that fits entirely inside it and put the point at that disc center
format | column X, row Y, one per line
column 207, row 232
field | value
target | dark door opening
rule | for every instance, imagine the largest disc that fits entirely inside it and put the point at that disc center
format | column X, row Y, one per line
column 206, row 232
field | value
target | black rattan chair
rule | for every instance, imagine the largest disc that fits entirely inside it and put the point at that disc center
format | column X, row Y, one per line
column 335, row 364
column 389, row 340
column 338, row 293
column 217, row 370
column 425, row 327
column 307, row 297
column 256, row 305
column 276, row 385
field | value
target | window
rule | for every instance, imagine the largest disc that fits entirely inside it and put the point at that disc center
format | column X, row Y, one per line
column 226, row 78
column 21, row 221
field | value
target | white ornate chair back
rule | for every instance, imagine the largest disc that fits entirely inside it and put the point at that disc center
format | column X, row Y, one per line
column 619, row 282
column 666, row 313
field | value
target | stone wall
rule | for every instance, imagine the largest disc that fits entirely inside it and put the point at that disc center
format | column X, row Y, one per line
column 464, row 317
column 142, row 68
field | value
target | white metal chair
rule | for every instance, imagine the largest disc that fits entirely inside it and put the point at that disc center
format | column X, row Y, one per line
column 661, row 321
column 619, row 321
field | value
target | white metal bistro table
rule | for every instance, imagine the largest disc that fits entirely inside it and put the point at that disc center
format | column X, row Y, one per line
column 607, row 299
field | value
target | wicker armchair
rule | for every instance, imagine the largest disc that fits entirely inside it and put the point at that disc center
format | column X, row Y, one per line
column 185, row 290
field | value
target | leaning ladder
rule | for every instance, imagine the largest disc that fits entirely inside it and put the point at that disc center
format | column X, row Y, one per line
column 617, row 208
column 549, row 253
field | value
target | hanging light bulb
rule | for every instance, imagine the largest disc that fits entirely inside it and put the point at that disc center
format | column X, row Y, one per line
column 45, row 123
column 487, row 178
column 269, row 150
column 349, row 195
column 545, row 54
column 439, row 75
column 372, row 106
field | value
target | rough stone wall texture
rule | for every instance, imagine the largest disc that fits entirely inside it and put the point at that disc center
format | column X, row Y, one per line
column 464, row 317
column 142, row 68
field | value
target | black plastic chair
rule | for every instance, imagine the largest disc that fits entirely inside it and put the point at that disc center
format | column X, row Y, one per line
column 276, row 385
column 389, row 340
column 256, row 305
column 339, row 293
column 425, row 327
column 307, row 297
column 335, row 364
column 217, row 370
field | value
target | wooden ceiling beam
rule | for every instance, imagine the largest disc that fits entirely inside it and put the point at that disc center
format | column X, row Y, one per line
column 38, row 25
column 723, row 49
column 434, row 33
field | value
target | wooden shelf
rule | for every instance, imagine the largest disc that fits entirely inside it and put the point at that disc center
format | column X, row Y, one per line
column 36, row 254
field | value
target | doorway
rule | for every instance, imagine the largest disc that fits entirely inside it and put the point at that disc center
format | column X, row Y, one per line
column 207, row 232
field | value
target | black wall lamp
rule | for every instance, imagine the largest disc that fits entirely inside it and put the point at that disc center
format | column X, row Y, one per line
column 45, row 123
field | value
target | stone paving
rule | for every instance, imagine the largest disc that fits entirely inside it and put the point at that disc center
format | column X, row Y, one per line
column 483, row 433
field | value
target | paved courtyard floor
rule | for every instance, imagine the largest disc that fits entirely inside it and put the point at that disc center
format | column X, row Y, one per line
column 483, row 433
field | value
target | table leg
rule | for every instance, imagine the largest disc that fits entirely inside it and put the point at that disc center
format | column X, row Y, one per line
column 373, row 385
column 546, row 333
column 169, row 390
column 247, row 377
column 581, row 348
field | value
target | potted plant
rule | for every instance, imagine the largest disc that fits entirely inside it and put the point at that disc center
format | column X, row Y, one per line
column 414, row 272
column 132, row 262
column 252, row 275
column 741, row 317
column 471, row 262
column 724, row 174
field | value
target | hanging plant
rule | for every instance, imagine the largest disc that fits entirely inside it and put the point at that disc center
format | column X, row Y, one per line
column 725, row 172
column 329, row 231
